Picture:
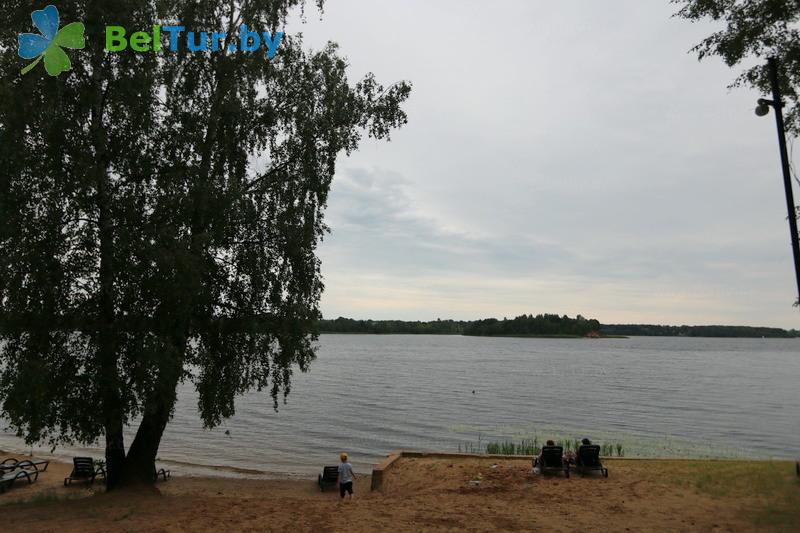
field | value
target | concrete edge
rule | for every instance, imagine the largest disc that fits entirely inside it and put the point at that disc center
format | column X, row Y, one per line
column 377, row 471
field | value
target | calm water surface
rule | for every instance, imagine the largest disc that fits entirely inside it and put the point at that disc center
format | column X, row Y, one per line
column 370, row 394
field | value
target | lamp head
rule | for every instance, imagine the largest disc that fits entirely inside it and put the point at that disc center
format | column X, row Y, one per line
column 762, row 109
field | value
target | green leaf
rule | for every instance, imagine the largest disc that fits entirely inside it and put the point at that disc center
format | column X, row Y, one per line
column 55, row 60
column 71, row 36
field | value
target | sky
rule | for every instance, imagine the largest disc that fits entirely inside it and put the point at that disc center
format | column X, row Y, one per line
column 559, row 157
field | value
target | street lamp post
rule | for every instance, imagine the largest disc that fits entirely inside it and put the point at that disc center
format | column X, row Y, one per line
column 763, row 108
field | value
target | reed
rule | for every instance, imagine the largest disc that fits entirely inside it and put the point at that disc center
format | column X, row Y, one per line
column 469, row 448
column 532, row 447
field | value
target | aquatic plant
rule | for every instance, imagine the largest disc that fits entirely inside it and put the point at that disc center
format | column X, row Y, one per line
column 468, row 448
column 501, row 448
column 528, row 447
column 524, row 447
column 531, row 446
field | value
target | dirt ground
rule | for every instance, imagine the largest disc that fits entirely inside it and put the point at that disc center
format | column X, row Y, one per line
column 431, row 494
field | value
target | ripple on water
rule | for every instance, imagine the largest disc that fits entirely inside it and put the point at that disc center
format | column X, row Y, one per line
column 370, row 394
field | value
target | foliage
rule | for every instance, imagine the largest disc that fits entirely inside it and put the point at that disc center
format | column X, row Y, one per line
column 650, row 330
column 434, row 327
column 754, row 29
column 541, row 325
column 524, row 325
column 159, row 215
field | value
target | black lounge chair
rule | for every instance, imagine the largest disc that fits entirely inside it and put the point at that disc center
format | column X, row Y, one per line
column 7, row 478
column 12, row 463
column 160, row 472
column 588, row 459
column 83, row 469
column 552, row 460
column 328, row 477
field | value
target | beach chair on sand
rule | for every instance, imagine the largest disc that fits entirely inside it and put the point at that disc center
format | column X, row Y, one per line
column 160, row 472
column 83, row 469
column 587, row 459
column 8, row 477
column 552, row 460
column 12, row 463
column 328, row 477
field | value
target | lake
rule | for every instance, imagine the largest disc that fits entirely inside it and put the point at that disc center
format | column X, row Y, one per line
column 370, row 394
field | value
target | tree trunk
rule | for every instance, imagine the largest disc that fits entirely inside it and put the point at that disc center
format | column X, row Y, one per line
column 111, row 402
column 140, row 461
column 111, row 407
column 115, row 455
column 138, row 466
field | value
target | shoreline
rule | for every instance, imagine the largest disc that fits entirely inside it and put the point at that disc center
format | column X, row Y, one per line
column 302, row 470
column 429, row 492
column 186, row 469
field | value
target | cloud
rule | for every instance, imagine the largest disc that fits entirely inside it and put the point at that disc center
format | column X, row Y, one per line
column 559, row 157
column 376, row 228
column 385, row 259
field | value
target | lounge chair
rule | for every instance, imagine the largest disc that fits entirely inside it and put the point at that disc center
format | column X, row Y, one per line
column 328, row 477
column 12, row 463
column 7, row 478
column 552, row 460
column 160, row 472
column 83, row 469
column 588, row 459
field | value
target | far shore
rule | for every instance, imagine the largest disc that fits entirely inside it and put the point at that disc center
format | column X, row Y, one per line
column 521, row 336
column 442, row 492
column 538, row 336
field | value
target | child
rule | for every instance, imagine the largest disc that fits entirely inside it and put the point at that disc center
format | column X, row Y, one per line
column 345, row 477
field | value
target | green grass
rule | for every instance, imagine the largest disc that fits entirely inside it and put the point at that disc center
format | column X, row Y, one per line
column 770, row 490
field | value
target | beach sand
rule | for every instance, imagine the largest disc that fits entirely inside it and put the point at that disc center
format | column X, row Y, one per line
column 431, row 494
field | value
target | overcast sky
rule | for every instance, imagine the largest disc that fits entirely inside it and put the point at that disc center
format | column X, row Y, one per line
column 564, row 157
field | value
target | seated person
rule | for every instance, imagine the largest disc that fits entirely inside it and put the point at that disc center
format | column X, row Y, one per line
column 571, row 455
column 537, row 459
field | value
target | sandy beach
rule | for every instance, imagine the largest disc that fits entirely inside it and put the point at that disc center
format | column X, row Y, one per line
column 432, row 494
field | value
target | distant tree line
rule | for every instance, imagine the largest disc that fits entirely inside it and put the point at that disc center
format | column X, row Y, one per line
column 521, row 325
column 529, row 325
column 433, row 327
column 542, row 325
column 649, row 330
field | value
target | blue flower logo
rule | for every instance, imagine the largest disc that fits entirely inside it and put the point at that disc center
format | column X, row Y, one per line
column 48, row 45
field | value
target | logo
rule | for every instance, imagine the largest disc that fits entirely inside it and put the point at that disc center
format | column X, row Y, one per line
column 48, row 45
column 194, row 41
